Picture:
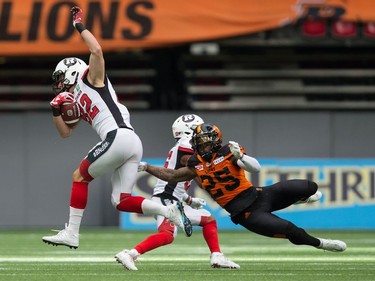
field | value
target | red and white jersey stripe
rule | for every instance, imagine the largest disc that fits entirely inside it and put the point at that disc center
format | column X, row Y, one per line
column 100, row 106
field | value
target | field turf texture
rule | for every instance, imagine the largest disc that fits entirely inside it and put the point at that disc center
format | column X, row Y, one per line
column 23, row 256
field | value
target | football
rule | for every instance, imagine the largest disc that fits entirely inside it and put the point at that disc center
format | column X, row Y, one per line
column 70, row 112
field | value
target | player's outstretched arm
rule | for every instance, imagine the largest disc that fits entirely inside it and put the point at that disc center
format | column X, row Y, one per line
column 194, row 202
column 96, row 73
column 169, row 175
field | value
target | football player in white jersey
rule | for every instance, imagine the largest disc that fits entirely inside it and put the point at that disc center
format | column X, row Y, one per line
column 167, row 193
column 120, row 149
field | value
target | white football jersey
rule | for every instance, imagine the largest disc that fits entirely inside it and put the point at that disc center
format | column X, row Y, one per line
column 100, row 107
column 173, row 161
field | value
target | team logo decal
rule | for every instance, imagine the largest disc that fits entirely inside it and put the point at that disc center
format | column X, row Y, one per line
column 188, row 118
column 70, row 61
column 199, row 167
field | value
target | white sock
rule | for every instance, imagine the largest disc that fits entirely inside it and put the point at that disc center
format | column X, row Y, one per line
column 152, row 208
column 134, row 253
column 75, row 218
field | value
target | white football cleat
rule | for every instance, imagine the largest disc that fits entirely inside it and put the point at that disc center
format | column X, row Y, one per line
column 218, row 260
column 313, row 198
column 332, row 245
column 126, row 259
column 177, row 215
column 63, row 237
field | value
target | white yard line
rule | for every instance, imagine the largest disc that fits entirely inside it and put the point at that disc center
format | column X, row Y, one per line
column 335, row 258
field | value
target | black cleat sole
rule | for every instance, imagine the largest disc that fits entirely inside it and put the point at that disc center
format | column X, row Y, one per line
column 188, row 228
column 57, row 244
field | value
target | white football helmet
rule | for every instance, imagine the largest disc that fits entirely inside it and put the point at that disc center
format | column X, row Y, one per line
column 185, row 124
column 67, row 73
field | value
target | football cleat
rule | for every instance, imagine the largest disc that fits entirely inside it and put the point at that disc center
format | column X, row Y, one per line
column 313, row 198
column 63, row 237
column 177, row 215
column 126, row 259
column 332, row 245
column 218, row 260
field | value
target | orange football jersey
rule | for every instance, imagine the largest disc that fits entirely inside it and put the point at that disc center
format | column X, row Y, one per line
column 220, row 178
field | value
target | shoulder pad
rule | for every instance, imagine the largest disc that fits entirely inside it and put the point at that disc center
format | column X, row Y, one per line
column 224, row 150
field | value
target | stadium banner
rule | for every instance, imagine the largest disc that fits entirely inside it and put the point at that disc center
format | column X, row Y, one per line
column 43, row 27
column 348, row 187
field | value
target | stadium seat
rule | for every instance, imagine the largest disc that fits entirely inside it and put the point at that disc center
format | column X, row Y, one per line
column 344, row 29
column 316, row 28
column 368, row 30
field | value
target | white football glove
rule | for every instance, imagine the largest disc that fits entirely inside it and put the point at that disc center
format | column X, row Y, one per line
column 142, row 166
column 235, row 149
column 195, row 202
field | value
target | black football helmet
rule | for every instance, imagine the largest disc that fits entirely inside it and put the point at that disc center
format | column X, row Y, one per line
column 206, row 140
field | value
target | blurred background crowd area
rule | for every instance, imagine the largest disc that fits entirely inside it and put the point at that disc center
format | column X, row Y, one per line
column 313, row 63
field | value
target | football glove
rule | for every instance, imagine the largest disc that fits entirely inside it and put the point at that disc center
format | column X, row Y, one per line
column 195, row 202
column 61, row 98
column 77, row 15
column 235, row 149
column 142, row 166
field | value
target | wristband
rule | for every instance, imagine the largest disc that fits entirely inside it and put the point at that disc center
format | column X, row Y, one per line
column 55, row 111
column 80, row 27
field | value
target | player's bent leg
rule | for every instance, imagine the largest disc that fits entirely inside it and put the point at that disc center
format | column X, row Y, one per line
column 270, row 225
column 299, row 236
column 313, row 198
column 129, row 203
column 312, row 188
column 174, row 212
column 166, row 234
column 208, row 223
column 210, row 233
column 69, row 236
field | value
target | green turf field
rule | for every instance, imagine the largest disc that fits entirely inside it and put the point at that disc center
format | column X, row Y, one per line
column 23, row 256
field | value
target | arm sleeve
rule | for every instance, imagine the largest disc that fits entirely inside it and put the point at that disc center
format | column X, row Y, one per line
column 249, row 164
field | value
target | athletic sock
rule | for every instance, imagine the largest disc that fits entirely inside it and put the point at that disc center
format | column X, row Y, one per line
column 211, row 236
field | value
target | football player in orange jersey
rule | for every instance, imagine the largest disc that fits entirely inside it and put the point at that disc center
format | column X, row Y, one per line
column 221, row 170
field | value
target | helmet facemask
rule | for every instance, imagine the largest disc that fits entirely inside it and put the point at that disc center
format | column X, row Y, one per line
column 58, row 78
column 207, row 142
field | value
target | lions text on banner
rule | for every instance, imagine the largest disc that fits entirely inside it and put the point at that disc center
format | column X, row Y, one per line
column 43, row 28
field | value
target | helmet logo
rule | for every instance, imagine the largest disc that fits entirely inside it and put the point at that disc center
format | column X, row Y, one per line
column 188, row 118
column 70, row 61
column 184, row 125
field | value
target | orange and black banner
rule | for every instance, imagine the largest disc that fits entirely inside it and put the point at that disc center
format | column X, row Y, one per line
column 43, row 27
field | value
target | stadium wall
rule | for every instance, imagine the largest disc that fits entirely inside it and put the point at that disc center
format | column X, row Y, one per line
column 36, row 164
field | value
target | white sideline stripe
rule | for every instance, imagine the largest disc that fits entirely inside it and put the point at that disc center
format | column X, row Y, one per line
column 158, row 259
